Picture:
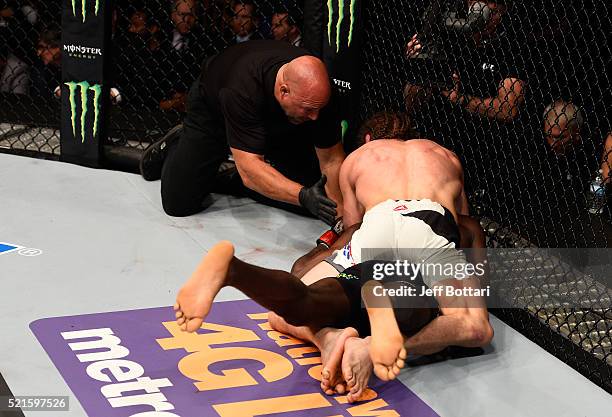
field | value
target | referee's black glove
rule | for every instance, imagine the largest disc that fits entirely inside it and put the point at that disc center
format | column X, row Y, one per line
column 315, row 200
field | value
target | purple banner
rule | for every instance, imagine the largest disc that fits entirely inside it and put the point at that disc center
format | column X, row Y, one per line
column 138, row 363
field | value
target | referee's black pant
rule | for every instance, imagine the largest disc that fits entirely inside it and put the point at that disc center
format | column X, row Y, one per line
column 190, row 170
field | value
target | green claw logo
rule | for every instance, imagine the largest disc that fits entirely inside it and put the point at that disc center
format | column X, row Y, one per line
column 84, row 88
column 345, row 127
column 330, row 20
column 84, row 8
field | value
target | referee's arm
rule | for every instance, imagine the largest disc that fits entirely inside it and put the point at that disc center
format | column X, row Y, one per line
column 261, row 177
column 330, row 161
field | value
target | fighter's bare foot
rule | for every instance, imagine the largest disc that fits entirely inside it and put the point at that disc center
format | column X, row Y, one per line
column 331, row 343
column 387, row 344
column 300, row 332
column 356, row 366
column 196, row 296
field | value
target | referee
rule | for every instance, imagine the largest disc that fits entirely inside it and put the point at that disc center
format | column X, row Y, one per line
column 266, row 102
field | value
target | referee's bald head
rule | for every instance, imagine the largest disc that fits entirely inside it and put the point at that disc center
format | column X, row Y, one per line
column 302, row 88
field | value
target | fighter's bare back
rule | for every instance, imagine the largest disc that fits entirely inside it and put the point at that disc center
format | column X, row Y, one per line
column 391, row 169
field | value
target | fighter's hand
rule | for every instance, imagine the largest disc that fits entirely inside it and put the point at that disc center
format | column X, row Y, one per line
column 414, row 46
column 315, row 200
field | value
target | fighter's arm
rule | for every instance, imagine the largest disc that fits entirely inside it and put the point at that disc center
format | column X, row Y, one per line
column 461, row 204
column 330, row 162
column 304, row 264
column 353, row 211
column 474, row 240
column 259, row 176
column 606, row 159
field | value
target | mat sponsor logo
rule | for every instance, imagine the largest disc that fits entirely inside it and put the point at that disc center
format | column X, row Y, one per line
column 6, row 248
column 139, row 363
column 85, row 92
column 84, row 5
column 342, row 4
column 82, row 52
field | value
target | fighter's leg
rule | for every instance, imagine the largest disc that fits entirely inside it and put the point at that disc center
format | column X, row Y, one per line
column 322, row 304
column 387, row 344
column 464, row 321
column 330, row 342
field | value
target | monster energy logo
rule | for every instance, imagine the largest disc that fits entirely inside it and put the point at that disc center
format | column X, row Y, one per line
column 84, row 88
column 330, row 20
column 84, row 8
column 345, row 127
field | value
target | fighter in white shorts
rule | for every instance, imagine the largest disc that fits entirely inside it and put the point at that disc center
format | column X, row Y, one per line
column 418, row 231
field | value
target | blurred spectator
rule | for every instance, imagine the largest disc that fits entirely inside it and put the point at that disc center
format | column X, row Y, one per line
column 183, row 17
column 284, row 28
column 46, row 73
column 182, row 54
column 30, row 12
column 48, row 48
column 487, row 82
column 145, row 30
column 7, row 13
column 599, row 190
column 562, row 122
column 137, row 60
column 17, row 19
column 14, row 73
column 386, row 125
column 244, row 21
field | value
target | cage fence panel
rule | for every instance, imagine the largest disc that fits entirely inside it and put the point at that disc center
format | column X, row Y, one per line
column 30, row 76
column 519, row 90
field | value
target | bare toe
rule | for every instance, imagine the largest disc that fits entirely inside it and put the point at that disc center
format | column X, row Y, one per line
column 381, row 372
column 403, row 354
column 194, row 324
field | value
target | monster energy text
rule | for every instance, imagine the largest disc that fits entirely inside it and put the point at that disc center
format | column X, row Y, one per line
column 84, row 88
column 79, row 51
column 84, row 8
column 338, row 28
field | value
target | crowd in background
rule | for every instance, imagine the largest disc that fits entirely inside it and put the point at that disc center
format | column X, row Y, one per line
column 159, row 47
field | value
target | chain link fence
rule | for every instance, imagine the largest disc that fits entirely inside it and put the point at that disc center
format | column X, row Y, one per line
column 519, row 90
column 158, row 47
column 30, row 73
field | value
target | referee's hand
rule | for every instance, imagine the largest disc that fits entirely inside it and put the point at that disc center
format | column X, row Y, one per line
column 315, row 200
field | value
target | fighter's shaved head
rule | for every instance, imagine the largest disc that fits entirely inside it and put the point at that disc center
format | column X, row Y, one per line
column 303, row 88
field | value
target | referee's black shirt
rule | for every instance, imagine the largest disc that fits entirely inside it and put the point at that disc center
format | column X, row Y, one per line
column 238, row 87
